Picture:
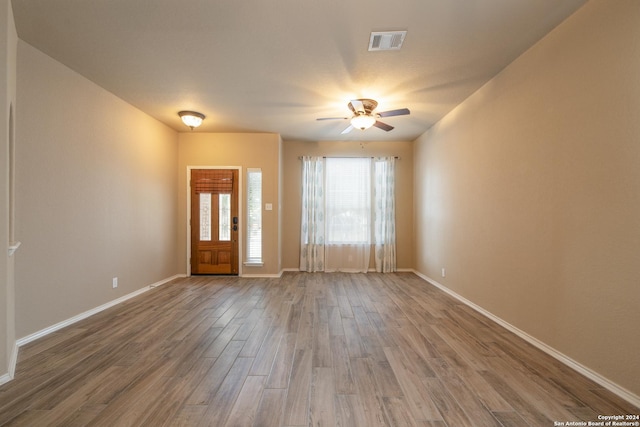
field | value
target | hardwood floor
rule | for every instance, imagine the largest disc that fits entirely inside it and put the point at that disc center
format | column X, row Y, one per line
column 306, row 349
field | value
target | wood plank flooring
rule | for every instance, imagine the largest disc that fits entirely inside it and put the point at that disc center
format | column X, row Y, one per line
column 305, row 349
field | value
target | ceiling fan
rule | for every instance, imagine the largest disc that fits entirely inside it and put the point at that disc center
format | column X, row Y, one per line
column 364, row 117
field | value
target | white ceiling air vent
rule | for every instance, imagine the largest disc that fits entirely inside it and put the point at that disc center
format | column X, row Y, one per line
column 386, row 40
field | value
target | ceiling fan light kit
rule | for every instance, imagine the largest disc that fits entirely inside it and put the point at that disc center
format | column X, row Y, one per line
column 193, row 119
column 364, row 116
column 362, row 121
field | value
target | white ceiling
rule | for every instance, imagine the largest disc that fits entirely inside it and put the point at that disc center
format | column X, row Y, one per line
column 277, row 65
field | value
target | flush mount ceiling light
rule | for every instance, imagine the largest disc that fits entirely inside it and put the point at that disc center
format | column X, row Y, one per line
column 363, row 121
column 192, row 119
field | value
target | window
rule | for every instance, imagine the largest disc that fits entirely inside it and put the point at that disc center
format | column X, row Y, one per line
column 348, row 200
column 224, row 217
column 205, row 217
column 254, row 216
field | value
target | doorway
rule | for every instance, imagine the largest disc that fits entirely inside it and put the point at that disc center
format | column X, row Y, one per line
column 214, row 221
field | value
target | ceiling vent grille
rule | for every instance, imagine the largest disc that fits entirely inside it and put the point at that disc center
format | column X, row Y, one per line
column 386, row 40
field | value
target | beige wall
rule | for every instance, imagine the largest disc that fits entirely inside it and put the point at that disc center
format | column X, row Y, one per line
column 96, row 195
column 292, row 191
column 8, row 47
column 246, row 150
column 528, row 193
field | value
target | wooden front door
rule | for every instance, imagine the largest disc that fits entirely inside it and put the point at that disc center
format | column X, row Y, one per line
column 214, row 221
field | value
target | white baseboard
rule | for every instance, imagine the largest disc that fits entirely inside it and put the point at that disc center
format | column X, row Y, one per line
column 46, row 331
column 5, row 379
column 13, row 360
column 587, row 372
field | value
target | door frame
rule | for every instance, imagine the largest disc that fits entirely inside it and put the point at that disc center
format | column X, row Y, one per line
column 240, row 214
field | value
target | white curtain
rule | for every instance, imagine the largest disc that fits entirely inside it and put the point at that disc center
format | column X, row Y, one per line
column 385, row 215
column 312, row 230
column 348, row 214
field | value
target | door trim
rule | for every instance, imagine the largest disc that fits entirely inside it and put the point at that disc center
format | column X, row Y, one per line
column 240, row 215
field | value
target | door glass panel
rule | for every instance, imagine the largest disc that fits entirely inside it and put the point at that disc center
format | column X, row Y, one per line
column 205, row 217
column 224, row 231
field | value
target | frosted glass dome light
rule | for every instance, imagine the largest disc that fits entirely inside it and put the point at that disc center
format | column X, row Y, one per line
column 192, row 119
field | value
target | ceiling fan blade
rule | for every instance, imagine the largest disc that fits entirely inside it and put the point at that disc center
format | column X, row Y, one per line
column 347, row 130
column 332, row 118
column 358, row 106
column 399, row 112
column 383, row 126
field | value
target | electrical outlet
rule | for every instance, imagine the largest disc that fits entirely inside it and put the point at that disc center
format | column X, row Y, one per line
column 444, row 273
column 115, row 282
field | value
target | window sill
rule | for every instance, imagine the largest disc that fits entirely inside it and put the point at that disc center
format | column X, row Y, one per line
column 254, row 264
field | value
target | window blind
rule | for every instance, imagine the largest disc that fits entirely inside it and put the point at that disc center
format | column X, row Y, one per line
column 214, row 181
column 254, row 215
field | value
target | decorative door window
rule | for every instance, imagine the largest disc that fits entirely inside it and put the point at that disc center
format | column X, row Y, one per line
column 224, row 207
column 205, row 217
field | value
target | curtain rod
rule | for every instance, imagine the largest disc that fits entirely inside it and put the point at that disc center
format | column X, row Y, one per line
column 352, row 157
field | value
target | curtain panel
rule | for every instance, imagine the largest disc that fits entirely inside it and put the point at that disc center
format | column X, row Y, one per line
column 312, row 223
column 385, row 214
